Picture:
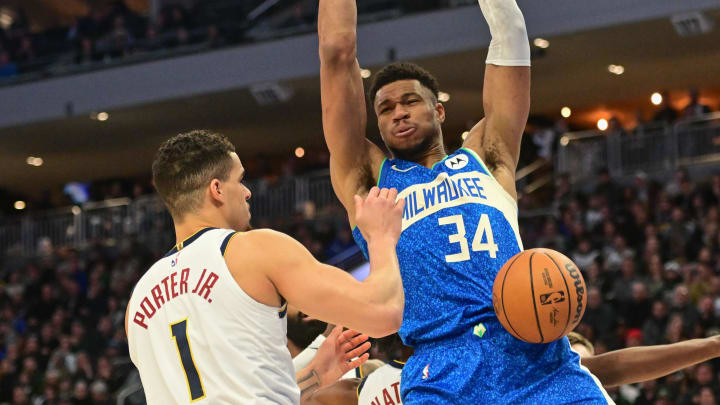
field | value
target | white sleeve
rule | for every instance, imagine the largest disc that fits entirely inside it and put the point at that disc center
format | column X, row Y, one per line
column 303, row 359
column 509, row 45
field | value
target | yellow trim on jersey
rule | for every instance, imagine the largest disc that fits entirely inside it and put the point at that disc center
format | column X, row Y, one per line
column 187, row 379
column 228, row 243
column 357, row 390
column 180, row 244
column 283, row 307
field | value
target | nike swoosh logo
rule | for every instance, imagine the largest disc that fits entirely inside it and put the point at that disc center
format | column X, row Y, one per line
column 403, row 170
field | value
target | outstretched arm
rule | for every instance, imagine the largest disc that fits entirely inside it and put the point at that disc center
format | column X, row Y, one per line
column 506, row 92
column 354, row 161
column 269, row 264
column 643, row 363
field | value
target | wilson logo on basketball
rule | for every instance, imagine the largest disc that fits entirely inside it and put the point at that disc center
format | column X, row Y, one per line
column 552, row 298
column 579, row 289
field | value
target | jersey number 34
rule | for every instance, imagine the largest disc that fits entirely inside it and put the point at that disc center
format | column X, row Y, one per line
column 482, row 232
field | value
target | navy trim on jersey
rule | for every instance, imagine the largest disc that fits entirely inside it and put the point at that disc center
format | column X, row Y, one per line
column 225, row 242
column 187, row 241
column 397, row 364
column 283, row 307
column 360, row 387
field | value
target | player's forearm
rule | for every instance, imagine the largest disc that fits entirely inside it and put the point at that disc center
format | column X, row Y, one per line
column 384, row 285
column 337, row 21
column 308, row 380
column 509, row 45
column 637, row 364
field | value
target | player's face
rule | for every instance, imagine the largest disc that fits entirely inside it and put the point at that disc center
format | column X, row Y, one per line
column 238, row 208
column 409, row 118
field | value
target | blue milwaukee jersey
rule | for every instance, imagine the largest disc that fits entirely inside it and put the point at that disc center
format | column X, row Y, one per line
column 459, row 227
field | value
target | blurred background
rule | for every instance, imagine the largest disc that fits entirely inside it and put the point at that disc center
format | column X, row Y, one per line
column 619, row 167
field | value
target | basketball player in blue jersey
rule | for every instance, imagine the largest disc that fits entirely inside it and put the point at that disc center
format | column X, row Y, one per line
column 460, row 220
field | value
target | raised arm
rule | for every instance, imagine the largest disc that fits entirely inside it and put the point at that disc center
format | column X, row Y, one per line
column 506, row 92
column 643, row 363
column 267, row 263
column 354, row 161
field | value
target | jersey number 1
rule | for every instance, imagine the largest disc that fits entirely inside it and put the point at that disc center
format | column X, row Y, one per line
column 483, row 231
column 180, row 334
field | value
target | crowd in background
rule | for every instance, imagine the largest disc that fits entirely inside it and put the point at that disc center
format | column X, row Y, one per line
column 111, row 30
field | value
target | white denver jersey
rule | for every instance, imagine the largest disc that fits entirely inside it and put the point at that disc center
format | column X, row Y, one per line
column 382, row 386
column 195, row 335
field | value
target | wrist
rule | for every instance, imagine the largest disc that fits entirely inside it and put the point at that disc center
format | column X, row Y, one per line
column 714, row 343
column 383, row 241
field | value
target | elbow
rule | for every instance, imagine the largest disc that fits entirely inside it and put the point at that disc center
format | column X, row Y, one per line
column 389, row 323
column 339, row 48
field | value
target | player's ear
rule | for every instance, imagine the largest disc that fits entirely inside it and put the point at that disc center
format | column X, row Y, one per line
column 217, row 193
column 440, row 111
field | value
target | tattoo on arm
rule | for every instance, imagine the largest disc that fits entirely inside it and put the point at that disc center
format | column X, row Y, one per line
column 309, row 383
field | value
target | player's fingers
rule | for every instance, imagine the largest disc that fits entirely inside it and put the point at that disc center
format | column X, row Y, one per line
column 400, row 205
column 349, row 334
column 374, row 192
column 351, row 343
column 384, row 192
column 358, row 362
column 335, row 333
column 358, row 351
column 392, row 195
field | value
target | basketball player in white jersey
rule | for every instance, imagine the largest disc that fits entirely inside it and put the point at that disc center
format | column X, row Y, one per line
column 207, row 322
column 626, row 366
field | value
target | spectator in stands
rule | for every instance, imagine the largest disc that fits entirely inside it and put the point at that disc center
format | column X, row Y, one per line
column 682, row 307
column 7, row 67
column 119, row 41
column 666, row 114
column 585, row 255
column 26, row 51
column 677, row 234
column 599, row 316
column 655, row 326
column 550, row 238
column 694, row 109
column 622, row 291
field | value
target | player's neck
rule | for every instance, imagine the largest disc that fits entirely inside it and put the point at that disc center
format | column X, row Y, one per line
column 427, row 157
column 192, row 223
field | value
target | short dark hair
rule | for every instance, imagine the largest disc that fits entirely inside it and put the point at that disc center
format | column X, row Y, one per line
column 185, row 164
column 402, row 71
column 578, row 339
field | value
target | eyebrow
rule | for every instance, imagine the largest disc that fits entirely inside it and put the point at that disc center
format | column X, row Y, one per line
column 404, row 96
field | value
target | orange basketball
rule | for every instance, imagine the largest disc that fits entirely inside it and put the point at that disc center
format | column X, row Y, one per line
column 539, row 295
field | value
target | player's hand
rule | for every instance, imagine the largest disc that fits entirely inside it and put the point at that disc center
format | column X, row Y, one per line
column 379, row 215
column 340, row 353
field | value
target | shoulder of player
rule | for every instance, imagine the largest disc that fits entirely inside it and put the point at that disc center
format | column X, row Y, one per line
column 261, row 247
